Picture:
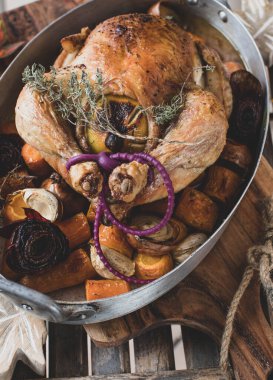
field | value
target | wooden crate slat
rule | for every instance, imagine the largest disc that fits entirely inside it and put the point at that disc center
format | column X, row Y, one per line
column 67, row 351
column 200, row 350
column 154, row 350
column 110, row 360
column 204, row 374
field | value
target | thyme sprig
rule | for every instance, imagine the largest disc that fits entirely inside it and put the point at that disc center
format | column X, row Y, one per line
column 78, row 101
column 165, row 113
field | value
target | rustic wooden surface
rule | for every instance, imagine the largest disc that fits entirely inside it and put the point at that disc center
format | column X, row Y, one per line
column 201, row 301
column 205, row 374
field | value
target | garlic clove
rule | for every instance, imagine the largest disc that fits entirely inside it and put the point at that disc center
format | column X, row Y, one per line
column 44, row 202
column 188, row 246
column 117, row 260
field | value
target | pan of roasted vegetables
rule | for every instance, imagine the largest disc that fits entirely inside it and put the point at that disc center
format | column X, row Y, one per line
column 129, row 133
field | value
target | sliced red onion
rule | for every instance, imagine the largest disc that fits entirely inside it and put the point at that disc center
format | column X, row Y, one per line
column 98, row 216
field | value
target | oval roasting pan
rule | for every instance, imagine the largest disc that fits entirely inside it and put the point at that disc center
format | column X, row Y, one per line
column 43, row 49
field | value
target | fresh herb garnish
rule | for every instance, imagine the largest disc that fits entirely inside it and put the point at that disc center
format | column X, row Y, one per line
column 76, row 100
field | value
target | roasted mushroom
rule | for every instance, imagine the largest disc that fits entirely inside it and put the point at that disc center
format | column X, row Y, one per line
column 39, row 200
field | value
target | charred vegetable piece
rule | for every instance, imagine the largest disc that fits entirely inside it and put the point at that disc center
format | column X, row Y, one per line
column 10, row 153
column 73, row 203
column 238, row 155
column 114, row 143
column 35, row 162
column 16, row 180
column 35, row 246
column 248, row 99
column 73, row 271
column 222, row 184
column 76, row 229
column 197, row 210
column 97, row 289
column 163, row 10
column 126, row 117
column 161, row 242
column 112, row 237
column 152, row 267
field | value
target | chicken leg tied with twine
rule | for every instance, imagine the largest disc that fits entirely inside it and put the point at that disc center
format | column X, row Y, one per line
column 259, row 258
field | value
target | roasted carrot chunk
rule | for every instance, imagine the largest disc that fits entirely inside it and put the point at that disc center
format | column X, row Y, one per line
column 73, row 271
column 152, row 267
column 76, row 229
column 35, row 162
column 97, row 289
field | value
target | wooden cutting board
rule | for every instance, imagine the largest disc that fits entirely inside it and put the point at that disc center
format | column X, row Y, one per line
column 201, row 301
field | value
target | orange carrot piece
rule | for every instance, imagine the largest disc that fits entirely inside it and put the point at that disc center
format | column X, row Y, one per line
column 35, row 162
column 97, row 289
column 76, row 229
column 73, row 271
column 112, row 237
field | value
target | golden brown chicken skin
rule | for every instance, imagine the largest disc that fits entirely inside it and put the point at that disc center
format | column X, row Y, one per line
column 148, row 59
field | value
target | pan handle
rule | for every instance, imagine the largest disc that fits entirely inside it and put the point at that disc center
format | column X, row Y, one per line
column 33, row 301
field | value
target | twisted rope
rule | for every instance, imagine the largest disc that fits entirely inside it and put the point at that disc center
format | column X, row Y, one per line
column 259, row 258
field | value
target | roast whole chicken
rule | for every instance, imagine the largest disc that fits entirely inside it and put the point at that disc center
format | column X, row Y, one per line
column 148, row 60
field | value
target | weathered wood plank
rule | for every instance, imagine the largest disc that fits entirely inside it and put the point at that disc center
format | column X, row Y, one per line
column 200, row 350
column 203, row 298
column 67, row 351
column 154, row 351
column 112, row 360
column 207, row 374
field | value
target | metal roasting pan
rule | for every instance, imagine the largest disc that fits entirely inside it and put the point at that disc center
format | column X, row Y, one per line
column 43, row 49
